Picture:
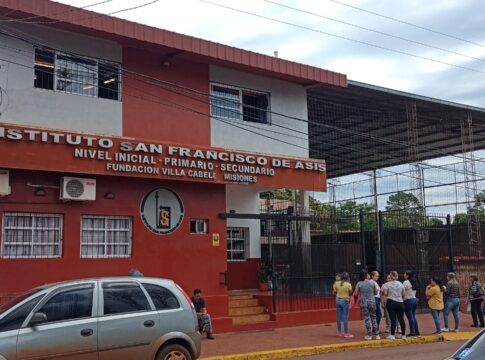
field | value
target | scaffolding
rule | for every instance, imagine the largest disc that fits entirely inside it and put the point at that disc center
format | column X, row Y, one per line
column 470, row 182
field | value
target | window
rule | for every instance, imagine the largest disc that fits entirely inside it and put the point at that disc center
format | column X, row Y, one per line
column 15, row 319
column 69, row 305
column 161, row 297
column 237, row 243
column 106, row 236
column 28, row 235
column 76, row 75
column 123, row 298
column 199, row 226
column 230, row 102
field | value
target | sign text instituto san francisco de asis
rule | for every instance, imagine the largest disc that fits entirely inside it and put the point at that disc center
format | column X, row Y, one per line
column 36, row 149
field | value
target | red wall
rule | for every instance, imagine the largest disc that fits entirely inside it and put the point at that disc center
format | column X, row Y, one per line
column 149, row 111
column 189, row 259
column 242, row 274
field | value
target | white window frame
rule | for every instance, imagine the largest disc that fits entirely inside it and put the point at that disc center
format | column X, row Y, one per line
column 33, row 230
column 105, row 254
column 240, row 90
column 205, row 226
column 231, row 239
column 95, row 85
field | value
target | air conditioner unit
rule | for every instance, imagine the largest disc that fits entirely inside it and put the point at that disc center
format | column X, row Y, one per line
column 78, row 189
column 4, row 183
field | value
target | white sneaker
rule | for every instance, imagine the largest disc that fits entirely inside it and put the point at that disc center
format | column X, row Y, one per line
column 377, row 337
column 403, row 337
column 391, row 337
column 445, row 330
column 398, row 336
column 368, row 337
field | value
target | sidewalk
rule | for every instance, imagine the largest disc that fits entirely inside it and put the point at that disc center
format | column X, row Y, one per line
column 307, row 336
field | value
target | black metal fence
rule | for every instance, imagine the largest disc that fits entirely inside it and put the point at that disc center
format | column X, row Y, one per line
column 304, row 267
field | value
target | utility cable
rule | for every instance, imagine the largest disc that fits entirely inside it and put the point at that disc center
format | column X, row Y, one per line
column 362, row 42
column 408, row 23
column 373, row 30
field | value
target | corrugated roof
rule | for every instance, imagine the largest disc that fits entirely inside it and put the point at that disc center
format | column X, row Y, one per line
column 108, row 26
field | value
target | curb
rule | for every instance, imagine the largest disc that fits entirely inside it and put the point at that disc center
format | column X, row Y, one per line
column 330, row 348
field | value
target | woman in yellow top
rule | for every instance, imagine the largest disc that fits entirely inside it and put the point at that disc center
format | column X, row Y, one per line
column 342, row 289
column 434, row 293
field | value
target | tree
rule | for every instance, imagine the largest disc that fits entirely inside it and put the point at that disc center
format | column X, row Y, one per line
column 409, row 210
column 348, row 215
column 283, row 194
column 402, row 201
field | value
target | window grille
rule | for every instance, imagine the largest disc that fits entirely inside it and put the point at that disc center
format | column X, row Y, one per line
column 237, row 243
column 106, row 236
column 76, row 75
column 30, row 235
column 229, row 102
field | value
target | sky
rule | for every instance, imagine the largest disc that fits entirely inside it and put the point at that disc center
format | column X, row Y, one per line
column 384, row 63
column 370, row 64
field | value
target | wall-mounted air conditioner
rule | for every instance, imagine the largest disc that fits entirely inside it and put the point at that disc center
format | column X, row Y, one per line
column 78, row 189
column 4, row 183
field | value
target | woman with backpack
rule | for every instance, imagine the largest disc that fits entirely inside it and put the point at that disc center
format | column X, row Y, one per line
column 410, row 302
column 475, row 296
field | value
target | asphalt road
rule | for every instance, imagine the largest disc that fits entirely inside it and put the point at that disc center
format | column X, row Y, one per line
column 434, row 351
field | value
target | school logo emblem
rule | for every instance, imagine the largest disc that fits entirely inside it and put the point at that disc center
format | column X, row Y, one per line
column 162, row 211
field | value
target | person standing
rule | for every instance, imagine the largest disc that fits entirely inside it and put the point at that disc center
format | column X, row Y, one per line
column 377, row 298
column 452, row 301
column 475, row 296
column 394, row 291
column 367, row 290
column 410, row 302
column 203, row 317
column 434, row 293
column 342, row 289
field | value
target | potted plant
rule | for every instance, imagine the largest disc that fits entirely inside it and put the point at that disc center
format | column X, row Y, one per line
column 263, row 273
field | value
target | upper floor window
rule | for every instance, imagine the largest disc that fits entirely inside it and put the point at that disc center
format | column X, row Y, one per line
column 231, row 102
column 27, row 235
column 76, row 75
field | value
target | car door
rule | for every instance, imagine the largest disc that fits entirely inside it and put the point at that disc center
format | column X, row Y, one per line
column 70, row 327
column 128, row 322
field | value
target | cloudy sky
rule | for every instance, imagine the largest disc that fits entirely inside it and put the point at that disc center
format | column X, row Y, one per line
column 306, row 42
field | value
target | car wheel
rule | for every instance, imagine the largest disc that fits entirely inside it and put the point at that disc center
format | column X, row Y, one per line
column 174, row 352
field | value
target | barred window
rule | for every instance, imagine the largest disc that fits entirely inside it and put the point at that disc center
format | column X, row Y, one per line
column 106, row 236
column 76, row 75
column 28, row 235
column 230, row 102
column 237, row 243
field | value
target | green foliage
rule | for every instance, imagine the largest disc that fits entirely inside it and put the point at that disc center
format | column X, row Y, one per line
column 283, row 194
column 405, row 202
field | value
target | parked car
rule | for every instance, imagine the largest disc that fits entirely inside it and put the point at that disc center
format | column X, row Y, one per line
column 473, row 349
column 104, row 318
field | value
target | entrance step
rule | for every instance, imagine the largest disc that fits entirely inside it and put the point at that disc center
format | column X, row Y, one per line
column 240, row 297
column 248, row 310
column 248, row 319
column 243, row 303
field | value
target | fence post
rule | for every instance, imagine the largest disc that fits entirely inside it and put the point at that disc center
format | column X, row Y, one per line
column 450, row 244
column 362, row 238
column 274, row 291
column 381, row 232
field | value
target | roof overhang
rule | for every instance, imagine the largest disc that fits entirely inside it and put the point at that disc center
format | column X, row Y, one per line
column 129, row 33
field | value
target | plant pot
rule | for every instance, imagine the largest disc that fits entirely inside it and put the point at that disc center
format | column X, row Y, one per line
column 263, row 287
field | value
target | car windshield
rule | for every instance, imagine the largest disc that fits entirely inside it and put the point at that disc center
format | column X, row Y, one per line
column 18, row 299
column 476, row 344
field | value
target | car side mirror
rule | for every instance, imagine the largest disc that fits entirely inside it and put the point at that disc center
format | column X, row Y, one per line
column 38, row 318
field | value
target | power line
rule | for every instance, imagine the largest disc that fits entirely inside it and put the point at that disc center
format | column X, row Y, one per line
column 59, row 13
column 303, row 27
column 90, row 17
column 373, row 30
column 407, row 23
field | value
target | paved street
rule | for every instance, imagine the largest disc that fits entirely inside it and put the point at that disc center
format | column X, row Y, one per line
column 435, row 351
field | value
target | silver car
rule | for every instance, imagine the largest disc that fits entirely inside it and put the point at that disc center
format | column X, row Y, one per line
column 123, row 318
